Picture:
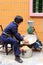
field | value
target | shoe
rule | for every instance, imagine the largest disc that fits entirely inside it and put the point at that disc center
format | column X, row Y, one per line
column 17, row 58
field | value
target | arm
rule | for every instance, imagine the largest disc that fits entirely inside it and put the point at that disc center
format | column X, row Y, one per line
column 16, row 34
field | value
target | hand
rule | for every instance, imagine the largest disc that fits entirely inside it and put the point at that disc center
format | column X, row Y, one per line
column 26, row 42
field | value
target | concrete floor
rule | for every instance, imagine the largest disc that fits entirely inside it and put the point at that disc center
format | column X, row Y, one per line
column 36, row 59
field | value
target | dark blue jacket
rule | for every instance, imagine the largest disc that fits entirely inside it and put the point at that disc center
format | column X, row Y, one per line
column 12, row 29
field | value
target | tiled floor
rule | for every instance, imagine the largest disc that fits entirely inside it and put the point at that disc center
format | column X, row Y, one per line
column 36, row 59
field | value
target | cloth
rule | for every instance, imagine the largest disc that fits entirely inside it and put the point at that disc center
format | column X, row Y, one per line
column 12, row 29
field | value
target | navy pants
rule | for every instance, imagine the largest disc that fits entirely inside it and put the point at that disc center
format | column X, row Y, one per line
column 15, row 44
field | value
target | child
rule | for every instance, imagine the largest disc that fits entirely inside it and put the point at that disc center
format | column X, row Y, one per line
column 37, row 45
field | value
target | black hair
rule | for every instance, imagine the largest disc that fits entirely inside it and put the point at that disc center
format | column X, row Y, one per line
column 18, row 19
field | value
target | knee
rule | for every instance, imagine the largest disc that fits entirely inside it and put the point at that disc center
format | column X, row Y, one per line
column 15, row 43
